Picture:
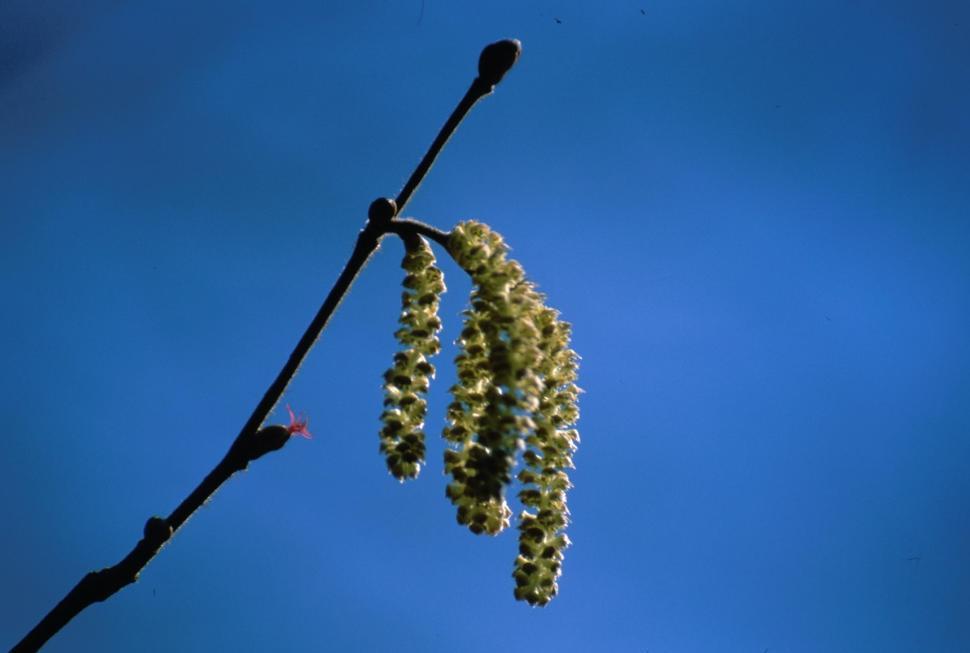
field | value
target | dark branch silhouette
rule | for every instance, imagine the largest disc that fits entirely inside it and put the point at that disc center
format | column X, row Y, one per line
column 254, row 441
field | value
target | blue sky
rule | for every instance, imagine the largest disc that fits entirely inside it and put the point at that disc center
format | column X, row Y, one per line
column 754, row 214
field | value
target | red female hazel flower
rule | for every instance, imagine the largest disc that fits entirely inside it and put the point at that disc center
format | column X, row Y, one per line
column 298, row 426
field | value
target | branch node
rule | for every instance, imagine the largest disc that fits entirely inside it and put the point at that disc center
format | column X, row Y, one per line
column 382, row 211
column 252, row 445
column 156, row 532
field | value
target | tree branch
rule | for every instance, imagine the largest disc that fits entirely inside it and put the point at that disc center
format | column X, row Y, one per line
column 254, row 441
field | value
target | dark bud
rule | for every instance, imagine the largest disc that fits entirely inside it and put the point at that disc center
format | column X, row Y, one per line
column 157, row 530
column 381, row 211
column 252, row 445
column 497, row 59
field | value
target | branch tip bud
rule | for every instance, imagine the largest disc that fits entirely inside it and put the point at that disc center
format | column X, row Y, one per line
column 497, row 59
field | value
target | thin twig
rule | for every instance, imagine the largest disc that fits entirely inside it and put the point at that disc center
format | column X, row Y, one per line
column 253, row 441
column 403, row 227
column 495, row 61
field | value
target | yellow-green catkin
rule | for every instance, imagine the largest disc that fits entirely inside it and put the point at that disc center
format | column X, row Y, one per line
column 406, row 382
column 547, row 457
column 516, row 393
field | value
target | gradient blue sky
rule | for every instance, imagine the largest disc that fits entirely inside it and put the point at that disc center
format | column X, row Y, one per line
column 754, row 213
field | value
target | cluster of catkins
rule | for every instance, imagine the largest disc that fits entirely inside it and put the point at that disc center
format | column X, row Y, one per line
column 515, row 396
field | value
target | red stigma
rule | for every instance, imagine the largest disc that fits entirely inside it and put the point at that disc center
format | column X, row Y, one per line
column 298, row 426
